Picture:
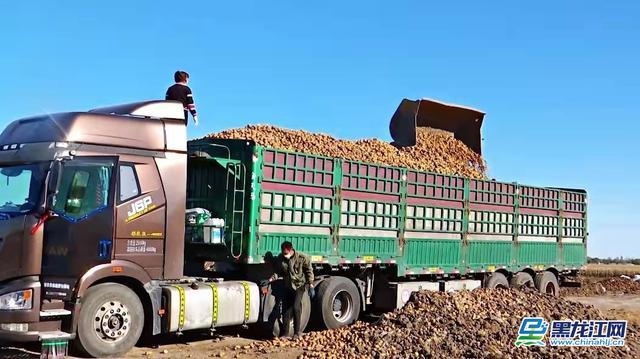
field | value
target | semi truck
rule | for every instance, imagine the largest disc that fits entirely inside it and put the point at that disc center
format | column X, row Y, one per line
column 114, row 227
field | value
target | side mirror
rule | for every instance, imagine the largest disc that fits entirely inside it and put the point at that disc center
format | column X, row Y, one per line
column 11, row 172
column 50, row 201
column 53, row 180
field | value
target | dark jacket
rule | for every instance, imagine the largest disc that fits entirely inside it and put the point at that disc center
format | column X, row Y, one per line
column 296, row 270
column 182, row 93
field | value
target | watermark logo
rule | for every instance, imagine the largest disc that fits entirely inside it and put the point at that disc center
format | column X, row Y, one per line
column 532, row 332
column 604, row 333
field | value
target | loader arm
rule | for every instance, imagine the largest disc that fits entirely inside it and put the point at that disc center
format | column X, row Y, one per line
column 464, row 122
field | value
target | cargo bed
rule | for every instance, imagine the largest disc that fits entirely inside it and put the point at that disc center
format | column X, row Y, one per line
column 343, row 212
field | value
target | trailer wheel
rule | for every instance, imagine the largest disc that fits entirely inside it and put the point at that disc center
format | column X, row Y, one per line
column 272, row 317
column 522, row 279
column 337, row 302
column 110, row 321
column 496, row 280
column 547, row 283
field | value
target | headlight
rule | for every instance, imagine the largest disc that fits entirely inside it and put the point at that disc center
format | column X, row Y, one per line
column 16, row 300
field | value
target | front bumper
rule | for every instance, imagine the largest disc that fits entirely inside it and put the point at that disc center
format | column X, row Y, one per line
column 34, row 332
column 25, row 325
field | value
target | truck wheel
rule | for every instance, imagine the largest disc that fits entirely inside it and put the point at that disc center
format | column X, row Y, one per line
column 496, row 280
column 316, row 310
column 337, row 302
column 547, row 283
column 110, row 321
column 273, row 311
column 522, row 279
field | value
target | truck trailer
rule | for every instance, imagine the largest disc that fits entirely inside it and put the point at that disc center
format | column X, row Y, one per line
column 113, row 226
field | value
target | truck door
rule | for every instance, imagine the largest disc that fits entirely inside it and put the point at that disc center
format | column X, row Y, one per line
column 140, row 215
column 80, row 234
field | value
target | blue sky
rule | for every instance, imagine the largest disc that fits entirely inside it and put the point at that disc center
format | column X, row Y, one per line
column 560, row 81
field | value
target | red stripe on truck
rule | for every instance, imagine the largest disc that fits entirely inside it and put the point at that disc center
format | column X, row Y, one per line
column 578, row 215
column 491, row 207
column 538, row 211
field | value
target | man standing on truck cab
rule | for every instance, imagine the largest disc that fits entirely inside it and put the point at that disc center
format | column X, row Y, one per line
column 181, row 92
column 296, row 269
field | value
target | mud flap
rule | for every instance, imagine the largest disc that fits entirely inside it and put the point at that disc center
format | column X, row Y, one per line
column 155, row 295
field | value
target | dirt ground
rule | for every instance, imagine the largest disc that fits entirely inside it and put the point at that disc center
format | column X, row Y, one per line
column 226, row 342
column 202, row 345
column 199, row 344
column 618, row 307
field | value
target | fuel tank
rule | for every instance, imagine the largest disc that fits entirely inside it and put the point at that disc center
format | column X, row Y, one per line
column 210, row 304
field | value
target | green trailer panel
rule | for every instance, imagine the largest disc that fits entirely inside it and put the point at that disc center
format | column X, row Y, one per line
column 574, row 254
column 433, row 253
column 315, row 245
column 538, row 253
column 483, row 254
column 354, row 248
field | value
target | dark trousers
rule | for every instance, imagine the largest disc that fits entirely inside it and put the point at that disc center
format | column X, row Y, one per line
column 292, row 305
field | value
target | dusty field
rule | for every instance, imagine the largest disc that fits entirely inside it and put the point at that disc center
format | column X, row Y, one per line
column 607, row 270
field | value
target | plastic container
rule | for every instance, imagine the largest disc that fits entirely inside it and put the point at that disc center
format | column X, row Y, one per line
column 54, row 348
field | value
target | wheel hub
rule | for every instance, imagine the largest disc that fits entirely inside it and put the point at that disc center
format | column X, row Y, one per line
column 337, row 305
column 111, row 321
column 342, row 306
column 550, row 289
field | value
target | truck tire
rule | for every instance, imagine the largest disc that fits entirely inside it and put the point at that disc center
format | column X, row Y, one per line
column 273, row 311
column 496, row 280
column 316, row 312
column 110, row 322
column 522, row 279
column 547, row 283
column 337, row 302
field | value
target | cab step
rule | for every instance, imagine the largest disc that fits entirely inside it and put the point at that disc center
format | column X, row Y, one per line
column 54, row 313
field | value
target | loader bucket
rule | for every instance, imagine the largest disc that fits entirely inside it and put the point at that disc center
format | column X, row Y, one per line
column 463, row 122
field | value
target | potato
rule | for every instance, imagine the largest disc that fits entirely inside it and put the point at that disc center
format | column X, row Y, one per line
column 436, row 150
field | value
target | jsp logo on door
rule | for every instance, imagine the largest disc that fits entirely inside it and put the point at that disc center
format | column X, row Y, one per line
column 140, row 207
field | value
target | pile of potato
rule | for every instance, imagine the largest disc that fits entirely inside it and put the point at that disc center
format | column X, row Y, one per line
column 436, row 151
column 482, row 323
column 613, row 286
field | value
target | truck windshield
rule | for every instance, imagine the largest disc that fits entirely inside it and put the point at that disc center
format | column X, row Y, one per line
column 21, row 188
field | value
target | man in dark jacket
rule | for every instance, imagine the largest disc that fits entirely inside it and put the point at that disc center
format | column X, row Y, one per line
column 295, row 268
column 181, row 92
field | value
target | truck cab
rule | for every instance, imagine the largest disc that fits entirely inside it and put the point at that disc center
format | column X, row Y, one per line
column 83, row 202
